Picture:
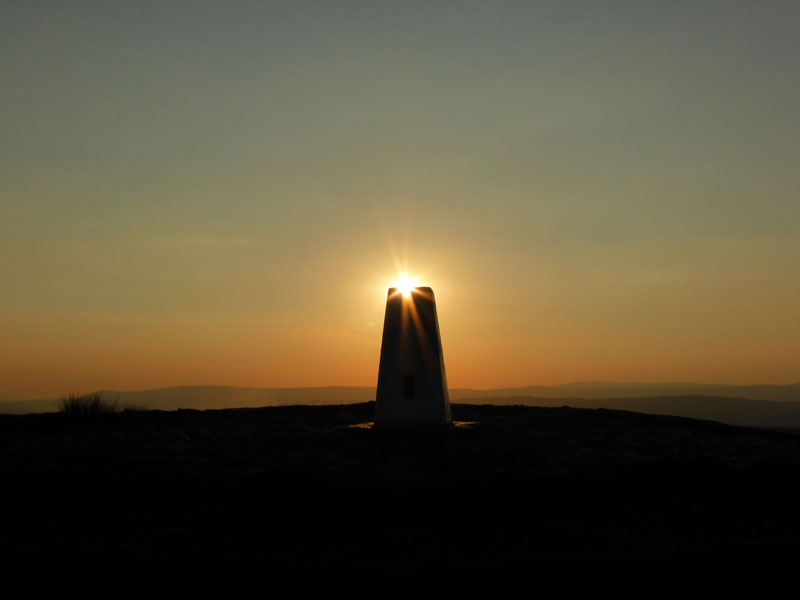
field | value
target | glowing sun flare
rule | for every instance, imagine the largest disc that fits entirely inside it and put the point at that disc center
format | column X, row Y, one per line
column 405, row 285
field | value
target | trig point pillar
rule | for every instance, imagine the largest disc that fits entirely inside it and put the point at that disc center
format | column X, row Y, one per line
column 412, row 387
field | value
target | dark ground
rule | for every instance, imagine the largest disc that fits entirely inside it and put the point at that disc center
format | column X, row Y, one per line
column 247, row 500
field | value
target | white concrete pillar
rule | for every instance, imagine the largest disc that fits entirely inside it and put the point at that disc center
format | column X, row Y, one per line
column 412, row 386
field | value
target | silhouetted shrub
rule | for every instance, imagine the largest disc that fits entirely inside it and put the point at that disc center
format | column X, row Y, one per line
column 88, row 404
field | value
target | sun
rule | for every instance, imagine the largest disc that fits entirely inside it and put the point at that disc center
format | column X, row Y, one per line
column 404, row 285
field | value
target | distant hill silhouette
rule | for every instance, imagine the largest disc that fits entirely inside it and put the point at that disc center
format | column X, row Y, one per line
column 779, row 393
column 755, row 405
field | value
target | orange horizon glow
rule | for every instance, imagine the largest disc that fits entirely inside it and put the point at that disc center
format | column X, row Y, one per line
column 221, row 352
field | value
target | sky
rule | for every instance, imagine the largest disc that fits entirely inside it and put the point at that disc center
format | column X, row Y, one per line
column 198, row 192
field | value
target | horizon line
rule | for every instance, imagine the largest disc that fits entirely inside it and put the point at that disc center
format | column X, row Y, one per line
column 471, row 389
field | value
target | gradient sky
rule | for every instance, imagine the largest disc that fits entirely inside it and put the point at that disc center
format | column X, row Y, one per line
column 221, row 192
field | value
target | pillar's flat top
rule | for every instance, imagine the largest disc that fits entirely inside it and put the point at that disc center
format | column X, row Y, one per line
column 423, row 289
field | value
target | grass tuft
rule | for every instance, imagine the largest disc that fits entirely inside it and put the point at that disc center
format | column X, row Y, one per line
column 88, row 404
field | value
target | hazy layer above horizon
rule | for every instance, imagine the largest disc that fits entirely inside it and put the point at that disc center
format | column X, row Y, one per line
column 221, row 193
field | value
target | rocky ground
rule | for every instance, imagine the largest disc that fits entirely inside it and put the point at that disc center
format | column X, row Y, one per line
column 240, row 501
